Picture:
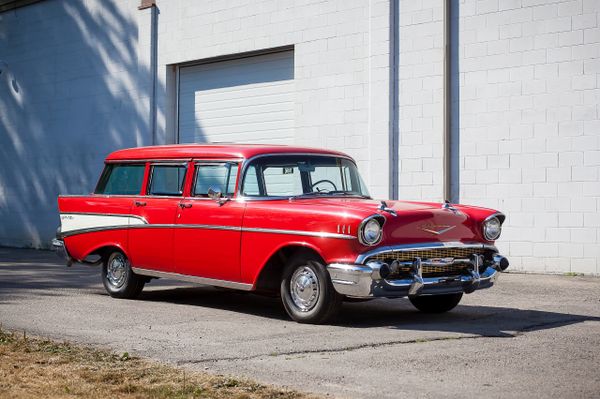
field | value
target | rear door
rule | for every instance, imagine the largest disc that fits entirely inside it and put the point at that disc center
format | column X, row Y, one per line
column 151, row 244
column 208, row 235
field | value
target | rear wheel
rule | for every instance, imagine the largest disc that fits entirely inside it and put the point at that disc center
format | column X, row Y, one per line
column 436, row 303
column 307, row 292
column 118, row 278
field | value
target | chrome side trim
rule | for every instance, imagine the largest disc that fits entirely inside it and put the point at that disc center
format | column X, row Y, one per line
column 422, row 246
column 193, row 279
column 321, row 234
column 188, row 226
column 212, row 227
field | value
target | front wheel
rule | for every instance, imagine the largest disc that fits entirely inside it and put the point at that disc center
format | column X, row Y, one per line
column 436, row 303
column 118, row 278
column 307, row 292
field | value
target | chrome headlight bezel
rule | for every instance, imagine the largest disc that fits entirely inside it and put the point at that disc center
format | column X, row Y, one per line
column 366, row 228
column 492, row 226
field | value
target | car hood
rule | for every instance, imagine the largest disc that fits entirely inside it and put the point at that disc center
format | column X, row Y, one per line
column 415, row 222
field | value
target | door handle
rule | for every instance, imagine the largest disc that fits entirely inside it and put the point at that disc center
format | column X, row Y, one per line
column 140, row 203
column 182, row 205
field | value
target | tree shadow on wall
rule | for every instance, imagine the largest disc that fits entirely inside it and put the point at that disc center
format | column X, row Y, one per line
column 71, row 91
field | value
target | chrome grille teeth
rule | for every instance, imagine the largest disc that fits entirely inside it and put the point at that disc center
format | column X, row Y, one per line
column 456, row 253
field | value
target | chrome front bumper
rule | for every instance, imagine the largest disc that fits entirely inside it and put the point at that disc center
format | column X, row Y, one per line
column 365, row 281
column 58, row 246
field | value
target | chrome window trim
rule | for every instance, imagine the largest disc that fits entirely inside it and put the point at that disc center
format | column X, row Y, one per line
column 193, row 279
column 151, row 175
column 214, row 163
column 422, row 246
column 248, row 161
column 146, row 160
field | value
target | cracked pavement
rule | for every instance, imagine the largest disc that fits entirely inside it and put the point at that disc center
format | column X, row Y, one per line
column 529, row 336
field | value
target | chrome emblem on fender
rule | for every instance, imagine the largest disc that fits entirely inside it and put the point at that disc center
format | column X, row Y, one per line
column 436, row 228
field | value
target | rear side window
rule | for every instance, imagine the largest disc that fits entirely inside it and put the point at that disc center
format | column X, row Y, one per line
column 220, row 177
column 121, row 179
column 167, row 180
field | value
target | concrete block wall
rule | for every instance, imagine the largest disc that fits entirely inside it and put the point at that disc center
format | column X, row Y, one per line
column 420, row 99
column 341, row 65
column 530, row 126
column 529, row 139
column 68, row 97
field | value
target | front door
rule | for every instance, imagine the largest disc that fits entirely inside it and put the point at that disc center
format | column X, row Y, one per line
column 151, row 244
column 208, row 234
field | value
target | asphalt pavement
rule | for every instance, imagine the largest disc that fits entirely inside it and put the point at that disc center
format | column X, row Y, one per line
column 529, row 336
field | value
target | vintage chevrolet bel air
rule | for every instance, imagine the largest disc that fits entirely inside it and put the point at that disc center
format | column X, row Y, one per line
column 293, row 221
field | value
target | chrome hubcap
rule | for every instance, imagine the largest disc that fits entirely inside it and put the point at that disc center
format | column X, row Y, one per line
column 116, row 271
column 304, row 288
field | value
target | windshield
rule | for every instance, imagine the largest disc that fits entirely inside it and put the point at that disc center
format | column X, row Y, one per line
column 302, row 175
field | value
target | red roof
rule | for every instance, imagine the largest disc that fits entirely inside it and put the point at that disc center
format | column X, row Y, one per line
column 215, row 151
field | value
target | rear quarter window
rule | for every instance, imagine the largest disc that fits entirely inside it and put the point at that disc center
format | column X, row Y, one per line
column 121, row 179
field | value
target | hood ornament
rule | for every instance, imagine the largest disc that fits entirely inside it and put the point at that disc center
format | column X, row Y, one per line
column 448, row 206
column 436, row 229
column 384, row 207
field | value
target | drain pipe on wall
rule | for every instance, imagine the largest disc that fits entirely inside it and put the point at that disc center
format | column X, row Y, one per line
column 153, row 64
column 447, row 139
column 394, row 98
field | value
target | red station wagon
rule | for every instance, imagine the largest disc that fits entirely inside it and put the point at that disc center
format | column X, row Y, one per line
column 274, row 219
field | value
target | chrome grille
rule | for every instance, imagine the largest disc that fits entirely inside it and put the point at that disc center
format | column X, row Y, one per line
column 433, row 253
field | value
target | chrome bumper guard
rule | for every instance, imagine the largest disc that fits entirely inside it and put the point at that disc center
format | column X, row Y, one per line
column 364, row 281
column 58, row 246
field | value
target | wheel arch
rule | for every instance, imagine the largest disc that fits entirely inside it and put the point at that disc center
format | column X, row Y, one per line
column 103, row 250
column 269, row 277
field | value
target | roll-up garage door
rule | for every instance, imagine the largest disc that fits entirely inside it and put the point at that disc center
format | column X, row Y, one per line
column 245, row 100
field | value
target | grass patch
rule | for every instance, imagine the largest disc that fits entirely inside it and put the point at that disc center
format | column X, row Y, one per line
column 572, row 274
column 34, row 367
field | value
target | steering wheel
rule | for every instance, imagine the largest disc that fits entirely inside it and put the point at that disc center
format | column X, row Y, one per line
column 323, row 181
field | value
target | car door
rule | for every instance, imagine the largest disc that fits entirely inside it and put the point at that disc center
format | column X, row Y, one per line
column 151, row 244
column 208, row 234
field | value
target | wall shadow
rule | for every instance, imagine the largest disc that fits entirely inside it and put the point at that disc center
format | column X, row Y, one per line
column 72, row 90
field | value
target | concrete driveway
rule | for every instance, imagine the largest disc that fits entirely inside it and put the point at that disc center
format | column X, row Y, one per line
column 530, row 336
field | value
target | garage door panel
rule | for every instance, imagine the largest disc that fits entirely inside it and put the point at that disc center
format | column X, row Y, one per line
column 246, row 100
column 241, row 109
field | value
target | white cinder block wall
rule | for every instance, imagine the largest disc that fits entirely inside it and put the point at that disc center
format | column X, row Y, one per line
column 77, row 83
column 341, row 65
column 529, row 121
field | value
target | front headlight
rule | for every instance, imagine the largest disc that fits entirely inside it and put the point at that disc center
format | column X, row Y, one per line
column 492, row 228
column 371, row 230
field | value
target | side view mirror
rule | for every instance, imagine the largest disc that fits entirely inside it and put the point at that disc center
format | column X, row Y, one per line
column 215, row 193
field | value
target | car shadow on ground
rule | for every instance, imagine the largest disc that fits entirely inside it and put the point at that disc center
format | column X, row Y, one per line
column 479, row 320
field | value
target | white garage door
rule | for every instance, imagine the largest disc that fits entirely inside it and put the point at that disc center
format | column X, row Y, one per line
column 246, row 100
